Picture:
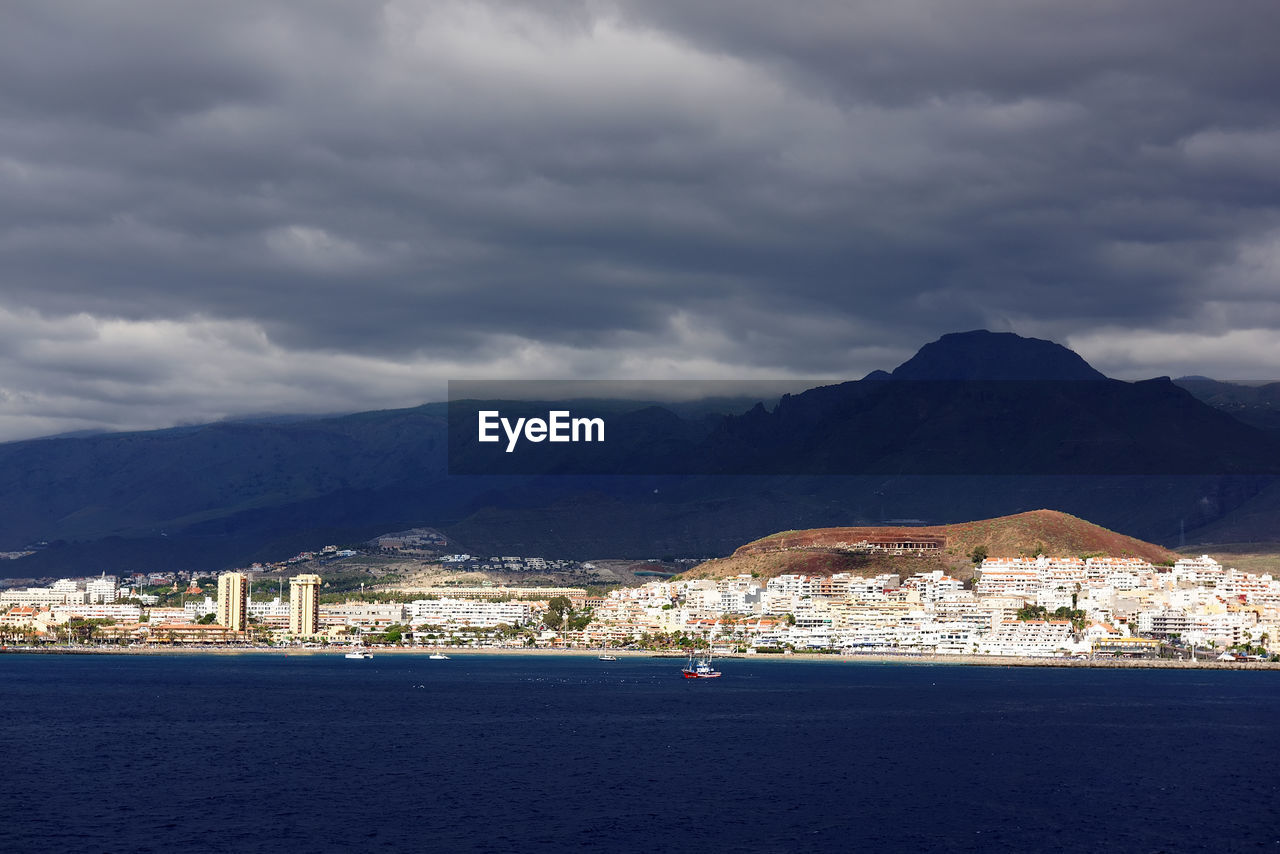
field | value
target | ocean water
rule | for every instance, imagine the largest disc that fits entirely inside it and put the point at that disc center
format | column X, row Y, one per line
column 530, row 754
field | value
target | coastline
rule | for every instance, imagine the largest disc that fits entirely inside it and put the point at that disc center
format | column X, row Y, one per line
column 861, row 658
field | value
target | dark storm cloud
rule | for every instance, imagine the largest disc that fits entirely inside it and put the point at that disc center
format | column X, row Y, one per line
column 216, row 209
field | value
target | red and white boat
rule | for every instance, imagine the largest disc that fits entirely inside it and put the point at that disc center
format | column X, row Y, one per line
column 700, row 669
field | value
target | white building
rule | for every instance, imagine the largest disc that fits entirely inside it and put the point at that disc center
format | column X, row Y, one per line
column 933, row 585
column 1203, row 570
column 121, row 613
column 71, row 591
column 102, row 589
column 197, row 609
column 277, row 607
column 468, row 612
column 1034, row 638
column 354, row 613
column 39, row 596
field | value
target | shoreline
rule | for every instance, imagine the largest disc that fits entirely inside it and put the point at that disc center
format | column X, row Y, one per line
column 861, row 658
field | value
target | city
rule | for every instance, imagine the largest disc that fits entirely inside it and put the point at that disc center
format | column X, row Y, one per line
column 1094, row 608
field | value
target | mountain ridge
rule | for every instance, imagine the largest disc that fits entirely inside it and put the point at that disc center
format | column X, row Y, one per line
column 224, row 494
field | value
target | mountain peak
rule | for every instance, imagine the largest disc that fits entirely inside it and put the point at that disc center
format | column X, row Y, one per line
column 984, row 355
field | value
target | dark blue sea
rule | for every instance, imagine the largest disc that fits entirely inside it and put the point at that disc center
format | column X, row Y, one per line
column 530, row 754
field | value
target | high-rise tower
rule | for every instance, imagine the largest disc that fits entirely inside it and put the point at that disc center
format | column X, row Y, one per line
column 233, row 601
column 304, row 604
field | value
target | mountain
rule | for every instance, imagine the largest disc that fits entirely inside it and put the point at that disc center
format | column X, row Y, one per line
column 979, row 427
column 972, row 403
column 984, row 403
column 975, row 425
column 1255, row 404
column 983, row 355
column 827, row 550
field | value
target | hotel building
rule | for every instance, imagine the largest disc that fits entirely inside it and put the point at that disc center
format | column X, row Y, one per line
column 233, row 601
column 304, row 608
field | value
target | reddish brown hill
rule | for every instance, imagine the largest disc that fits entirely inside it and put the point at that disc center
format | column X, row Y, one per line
column 827, row 550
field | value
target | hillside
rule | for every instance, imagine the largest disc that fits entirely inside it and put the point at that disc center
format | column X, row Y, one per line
column 976, row 425
column 1258, row 405
column 823, row 551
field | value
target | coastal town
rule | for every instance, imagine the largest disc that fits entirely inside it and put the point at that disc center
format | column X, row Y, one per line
column 1095, row 608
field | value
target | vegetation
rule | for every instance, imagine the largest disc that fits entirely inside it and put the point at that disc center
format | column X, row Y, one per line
column 80, row 630
column 16, row 634
column 1249, row 648
column 672, row 640
column 1078, row 619
column 561, row 614
column 393, row 635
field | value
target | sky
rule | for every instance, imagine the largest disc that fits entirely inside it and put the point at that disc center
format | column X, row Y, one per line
column 215, row 210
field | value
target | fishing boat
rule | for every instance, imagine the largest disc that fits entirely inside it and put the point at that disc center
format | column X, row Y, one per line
column 700, row 668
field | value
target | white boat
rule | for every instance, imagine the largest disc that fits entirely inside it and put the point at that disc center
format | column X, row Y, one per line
column 604, row 656
column 438, row 656
column 699, row 669
column 358, row 650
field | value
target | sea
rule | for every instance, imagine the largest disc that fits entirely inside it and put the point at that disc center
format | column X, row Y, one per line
column 524, row 753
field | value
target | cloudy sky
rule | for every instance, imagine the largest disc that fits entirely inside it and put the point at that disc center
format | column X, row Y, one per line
column 242, row 207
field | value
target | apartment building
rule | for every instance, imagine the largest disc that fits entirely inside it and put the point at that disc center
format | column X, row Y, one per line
column 304, row 604
column 233, row 601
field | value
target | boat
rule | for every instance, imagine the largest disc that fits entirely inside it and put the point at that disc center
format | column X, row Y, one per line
column 438, row 656
column 699, row 669
column 358, row 652
column 604, row 656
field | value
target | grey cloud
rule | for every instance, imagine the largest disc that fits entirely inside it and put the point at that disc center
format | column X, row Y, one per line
column 749, row 188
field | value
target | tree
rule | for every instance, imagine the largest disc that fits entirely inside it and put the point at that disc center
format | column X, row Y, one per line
column 978, row 555
column 560, row 613
column 1033, row 612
